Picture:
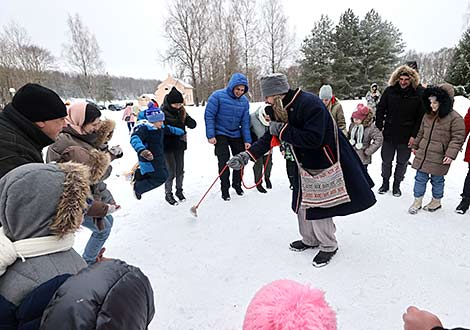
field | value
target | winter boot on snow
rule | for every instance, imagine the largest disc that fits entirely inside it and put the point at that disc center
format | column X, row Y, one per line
column 416, row 206
column 261, row 189
column 434, row 205
column 239, row 190
column 463, row 206
column 384, row 188
column 180, row 196
column 225, row 196
column 299, row 246
column 396, row 189
column 323, row 258
column 269, row 185
column 170, row 199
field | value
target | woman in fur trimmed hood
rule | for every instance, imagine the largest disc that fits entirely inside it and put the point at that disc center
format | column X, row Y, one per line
column 439, row 140
column 86, row 130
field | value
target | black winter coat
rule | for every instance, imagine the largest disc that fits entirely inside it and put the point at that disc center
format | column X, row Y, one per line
column 399, row 114
column 309, row 130
column 174, row 117
column 21, row 141
column 108, row 295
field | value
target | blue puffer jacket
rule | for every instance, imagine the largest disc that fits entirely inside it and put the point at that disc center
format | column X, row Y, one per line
column 226, row 114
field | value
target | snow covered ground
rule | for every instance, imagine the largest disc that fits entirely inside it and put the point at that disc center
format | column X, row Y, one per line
column 205, row 270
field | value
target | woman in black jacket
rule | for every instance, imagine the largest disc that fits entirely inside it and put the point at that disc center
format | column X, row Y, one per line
column 174, row 146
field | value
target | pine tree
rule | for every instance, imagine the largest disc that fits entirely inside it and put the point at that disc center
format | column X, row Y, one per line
column 458, row 72
column 318, row 52
column 348, row 48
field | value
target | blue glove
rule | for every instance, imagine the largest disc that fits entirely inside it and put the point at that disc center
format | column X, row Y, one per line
column 176, row 130
column 275, row 127
column 239, row 160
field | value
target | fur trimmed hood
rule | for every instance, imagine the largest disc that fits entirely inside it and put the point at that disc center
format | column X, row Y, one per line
column 442, row 96
column 413, row 74
column 105, row 132
column 38, row 200
column 97, row 161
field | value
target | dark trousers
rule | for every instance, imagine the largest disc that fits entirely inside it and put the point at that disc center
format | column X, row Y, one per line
column 466, row 185
column 388, row 154
column 259, row 167
column 150, row 181
column 222, row 152
column 175, row 165
column 130, row 125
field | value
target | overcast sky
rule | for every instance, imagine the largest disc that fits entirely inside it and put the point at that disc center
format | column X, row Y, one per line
column 130, row 33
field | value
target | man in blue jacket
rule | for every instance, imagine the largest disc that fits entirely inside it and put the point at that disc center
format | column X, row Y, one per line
column 227, row 120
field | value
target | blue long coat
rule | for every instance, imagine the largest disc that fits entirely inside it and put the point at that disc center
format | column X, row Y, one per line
column 309, row 129
column 227, row 114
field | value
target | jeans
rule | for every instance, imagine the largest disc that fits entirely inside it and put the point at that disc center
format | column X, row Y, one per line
column 437, row 182
column 388, row 153
column 222, row 152
column 151, row 180
column 97, row 238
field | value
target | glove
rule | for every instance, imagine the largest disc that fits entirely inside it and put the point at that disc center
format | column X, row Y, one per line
column 116, row 151
column 239, row 160
column 275, row 127
column 113, row 208
column 147, row 154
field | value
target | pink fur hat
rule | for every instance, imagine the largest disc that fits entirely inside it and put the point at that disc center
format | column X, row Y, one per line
column 288, row 305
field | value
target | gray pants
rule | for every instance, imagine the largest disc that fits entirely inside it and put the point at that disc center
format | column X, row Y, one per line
column 175, row 165
column 319, row 232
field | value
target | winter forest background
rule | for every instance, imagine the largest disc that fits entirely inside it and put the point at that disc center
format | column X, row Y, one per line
column 207, row 41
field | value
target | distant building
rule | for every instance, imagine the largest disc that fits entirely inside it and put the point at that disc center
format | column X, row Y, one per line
column 144, row 99
column 184, row 88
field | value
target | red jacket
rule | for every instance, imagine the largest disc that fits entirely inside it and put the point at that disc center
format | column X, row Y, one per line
column 467, row 129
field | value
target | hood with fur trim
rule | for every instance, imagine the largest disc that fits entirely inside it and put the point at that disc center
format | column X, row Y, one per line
column 39, row 200
column 97, row 161
column 105, row 132
column 414, row 76
column 442, row 96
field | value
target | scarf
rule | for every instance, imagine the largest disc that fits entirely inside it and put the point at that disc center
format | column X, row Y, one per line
column 359, row 130
column 30, row 247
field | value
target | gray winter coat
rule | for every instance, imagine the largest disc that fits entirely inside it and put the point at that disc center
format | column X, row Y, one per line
column 372, row 140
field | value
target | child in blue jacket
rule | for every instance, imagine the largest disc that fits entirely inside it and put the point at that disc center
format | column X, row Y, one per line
column 147, row 141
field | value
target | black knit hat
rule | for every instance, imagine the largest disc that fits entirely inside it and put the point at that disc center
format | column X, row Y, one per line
column 174, row 96
column 38, row 103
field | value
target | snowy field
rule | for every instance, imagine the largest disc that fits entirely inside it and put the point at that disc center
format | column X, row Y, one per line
column 205, row 270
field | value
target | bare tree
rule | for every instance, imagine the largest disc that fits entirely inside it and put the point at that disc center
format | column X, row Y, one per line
column 277, row 41
column 83, row 53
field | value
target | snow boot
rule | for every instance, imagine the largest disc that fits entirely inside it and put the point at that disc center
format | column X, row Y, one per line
column 299, row 246
column 261, row 189
column 225, row 196
column 416, row 206
column 396, row 189
column 269, row 185
column 323, row 258
column 170, row 199
column 434, row 205
column 239, row 190
column 463, row 206
column 180, row 196
column 384, row 188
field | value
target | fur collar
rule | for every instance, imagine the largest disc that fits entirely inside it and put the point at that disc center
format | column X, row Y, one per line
column 445, row 102
column 414, row 76
column 105, row 132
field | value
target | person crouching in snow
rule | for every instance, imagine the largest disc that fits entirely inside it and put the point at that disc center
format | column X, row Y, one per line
column 147, row 141
column 440, row 137
column 303, row 121
column 365, row 138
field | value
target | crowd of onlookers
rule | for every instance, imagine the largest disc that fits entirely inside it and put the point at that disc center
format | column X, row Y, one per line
column 45, row 284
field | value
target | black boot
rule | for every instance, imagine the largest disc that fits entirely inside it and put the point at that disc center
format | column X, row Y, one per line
column 239, row 190
column 268, row 183
column 170, row 199
column 261, row 189
column 225, row 195
column 179, row 194
column 396, row 189
column 463, row 206
column 384, row 188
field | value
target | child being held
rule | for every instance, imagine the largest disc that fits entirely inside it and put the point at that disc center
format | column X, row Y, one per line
column 147, row 141
column 363, row 135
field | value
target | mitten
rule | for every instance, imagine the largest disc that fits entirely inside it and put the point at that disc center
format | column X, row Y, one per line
column 116, row 151
column 239, row 160
column 147, row 155
column 275, row 127
column 113, row 208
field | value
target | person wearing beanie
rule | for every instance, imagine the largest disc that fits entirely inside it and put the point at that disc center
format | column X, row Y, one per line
column 147, row 140
column 174, row 145
column 41, row 276
column 365, row 138
column 334, row 106
column 227, row 120
column 289, row 305
column 32, row 121
column 398, row 116
column 373, row 97
column 86, row 130
column 300, row 120
column 438, row 142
